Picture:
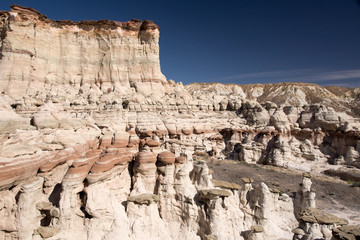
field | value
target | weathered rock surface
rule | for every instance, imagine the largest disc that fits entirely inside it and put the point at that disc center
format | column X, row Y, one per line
column 313, row 215
column 347, row 232
column 96, row 144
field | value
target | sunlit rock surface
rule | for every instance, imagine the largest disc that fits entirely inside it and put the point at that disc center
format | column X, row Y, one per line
column 96, row 144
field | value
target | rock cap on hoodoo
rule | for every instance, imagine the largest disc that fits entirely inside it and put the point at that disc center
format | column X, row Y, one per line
column 180, row 159
column 166, row 157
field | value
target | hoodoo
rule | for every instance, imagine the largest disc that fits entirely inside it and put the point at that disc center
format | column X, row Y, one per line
column 96, row 144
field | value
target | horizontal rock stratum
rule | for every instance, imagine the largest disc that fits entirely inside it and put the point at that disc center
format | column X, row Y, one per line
column 96, row 144
column 105, row 53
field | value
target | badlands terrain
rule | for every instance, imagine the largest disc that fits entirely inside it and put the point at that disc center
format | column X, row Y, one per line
column 96, row 144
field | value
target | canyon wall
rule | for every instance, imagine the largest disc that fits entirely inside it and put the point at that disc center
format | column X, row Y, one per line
column 96, row 144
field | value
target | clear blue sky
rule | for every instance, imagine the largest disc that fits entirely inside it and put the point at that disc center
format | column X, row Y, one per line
column 243, row 41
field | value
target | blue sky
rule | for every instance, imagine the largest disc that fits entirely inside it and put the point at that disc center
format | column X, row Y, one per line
column 243, row 41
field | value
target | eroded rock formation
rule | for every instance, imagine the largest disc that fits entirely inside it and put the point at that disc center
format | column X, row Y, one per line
column 96, row 144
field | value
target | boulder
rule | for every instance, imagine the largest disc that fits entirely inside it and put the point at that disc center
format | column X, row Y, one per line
column 314, row 215
column 47, row 232
column 349, row 232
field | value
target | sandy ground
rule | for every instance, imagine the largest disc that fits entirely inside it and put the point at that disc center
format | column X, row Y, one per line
column 333, row 195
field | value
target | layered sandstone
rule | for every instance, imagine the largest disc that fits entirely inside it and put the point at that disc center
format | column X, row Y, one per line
column 111, row 55
column 95, row 144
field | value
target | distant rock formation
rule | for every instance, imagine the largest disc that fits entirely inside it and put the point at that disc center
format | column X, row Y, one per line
column 96, row 144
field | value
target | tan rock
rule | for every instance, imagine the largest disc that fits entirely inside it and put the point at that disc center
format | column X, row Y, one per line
column 314, row 215
column 257, row 228
column 210, row 194
column 44, row 206
column 144, row 199
column 298, row 231
column 45, row 120
column 47, row 232
column 226, row 185
column 347, row 232
column 10, row 120
column 247, row 180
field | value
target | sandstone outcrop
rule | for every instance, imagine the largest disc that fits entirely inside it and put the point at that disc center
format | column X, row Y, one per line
column 84, row 53
column 96, row 144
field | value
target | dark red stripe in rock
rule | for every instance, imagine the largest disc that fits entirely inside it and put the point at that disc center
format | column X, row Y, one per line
column 109, row 160
column 145, row 157
column 61, row 156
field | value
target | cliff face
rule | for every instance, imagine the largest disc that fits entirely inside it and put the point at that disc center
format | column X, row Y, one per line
column 107, row 54
column 95, row 144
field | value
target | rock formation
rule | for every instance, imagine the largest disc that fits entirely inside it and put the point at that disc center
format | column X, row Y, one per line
column 96, row 144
